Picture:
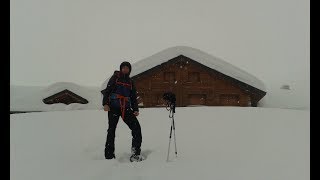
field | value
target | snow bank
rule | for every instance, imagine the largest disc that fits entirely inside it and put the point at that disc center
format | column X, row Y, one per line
column 293, row 98
column 24, row 98
column 212, row 142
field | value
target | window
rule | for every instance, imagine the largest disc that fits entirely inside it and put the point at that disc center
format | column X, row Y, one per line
column 169, row 77
column 159, row 100
column 194, row 77
column 229, row 99
column 197, row 99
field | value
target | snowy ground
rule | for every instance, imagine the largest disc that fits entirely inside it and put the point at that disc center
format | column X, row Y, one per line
column 222, row 143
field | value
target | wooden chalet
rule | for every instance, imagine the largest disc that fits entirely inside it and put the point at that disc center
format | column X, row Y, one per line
column 193, row 83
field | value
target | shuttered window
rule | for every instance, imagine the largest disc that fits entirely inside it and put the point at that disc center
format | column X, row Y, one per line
column 169, row 76
column 229, row 99
column 194, row 77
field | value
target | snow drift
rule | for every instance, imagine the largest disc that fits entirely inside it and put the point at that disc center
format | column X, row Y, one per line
column 29, row 98
column 212, row 142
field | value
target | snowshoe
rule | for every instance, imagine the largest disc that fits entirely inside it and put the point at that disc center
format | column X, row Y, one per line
column 136, row 158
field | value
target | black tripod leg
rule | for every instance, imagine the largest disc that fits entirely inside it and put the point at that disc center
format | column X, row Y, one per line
column 174, row 131
column 169, row 143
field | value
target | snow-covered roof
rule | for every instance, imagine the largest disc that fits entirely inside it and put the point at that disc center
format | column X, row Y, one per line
column 29, row 98
column 199, row 56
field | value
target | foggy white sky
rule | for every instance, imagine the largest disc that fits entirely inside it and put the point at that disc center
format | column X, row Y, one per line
column 83, row 41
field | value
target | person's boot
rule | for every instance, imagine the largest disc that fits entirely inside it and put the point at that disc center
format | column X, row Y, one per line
column 135, row 155
column 109, row 155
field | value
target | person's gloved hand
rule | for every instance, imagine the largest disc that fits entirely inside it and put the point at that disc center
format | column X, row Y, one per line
column 106, row 108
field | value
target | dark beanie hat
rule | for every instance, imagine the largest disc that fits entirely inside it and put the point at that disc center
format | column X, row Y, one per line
column 125, row 63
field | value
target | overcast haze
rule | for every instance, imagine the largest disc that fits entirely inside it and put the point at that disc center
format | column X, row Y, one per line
column 83, row 41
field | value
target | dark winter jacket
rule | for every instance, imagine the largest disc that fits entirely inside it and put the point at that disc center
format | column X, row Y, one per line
column 120, row 84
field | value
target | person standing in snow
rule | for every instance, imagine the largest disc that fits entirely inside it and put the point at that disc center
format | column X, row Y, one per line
column 120, row 99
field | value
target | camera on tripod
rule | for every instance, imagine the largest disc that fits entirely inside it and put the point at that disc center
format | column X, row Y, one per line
column 170, row 98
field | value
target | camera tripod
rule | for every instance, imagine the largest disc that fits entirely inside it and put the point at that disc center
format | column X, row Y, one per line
column 171, row 115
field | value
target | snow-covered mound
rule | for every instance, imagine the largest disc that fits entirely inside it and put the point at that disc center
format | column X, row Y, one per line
column 213, row 143
column 286, row 98
column 29, row 98
column 199, row 56
column 26, row 98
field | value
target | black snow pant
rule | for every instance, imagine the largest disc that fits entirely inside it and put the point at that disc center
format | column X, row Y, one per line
column 133, row 123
